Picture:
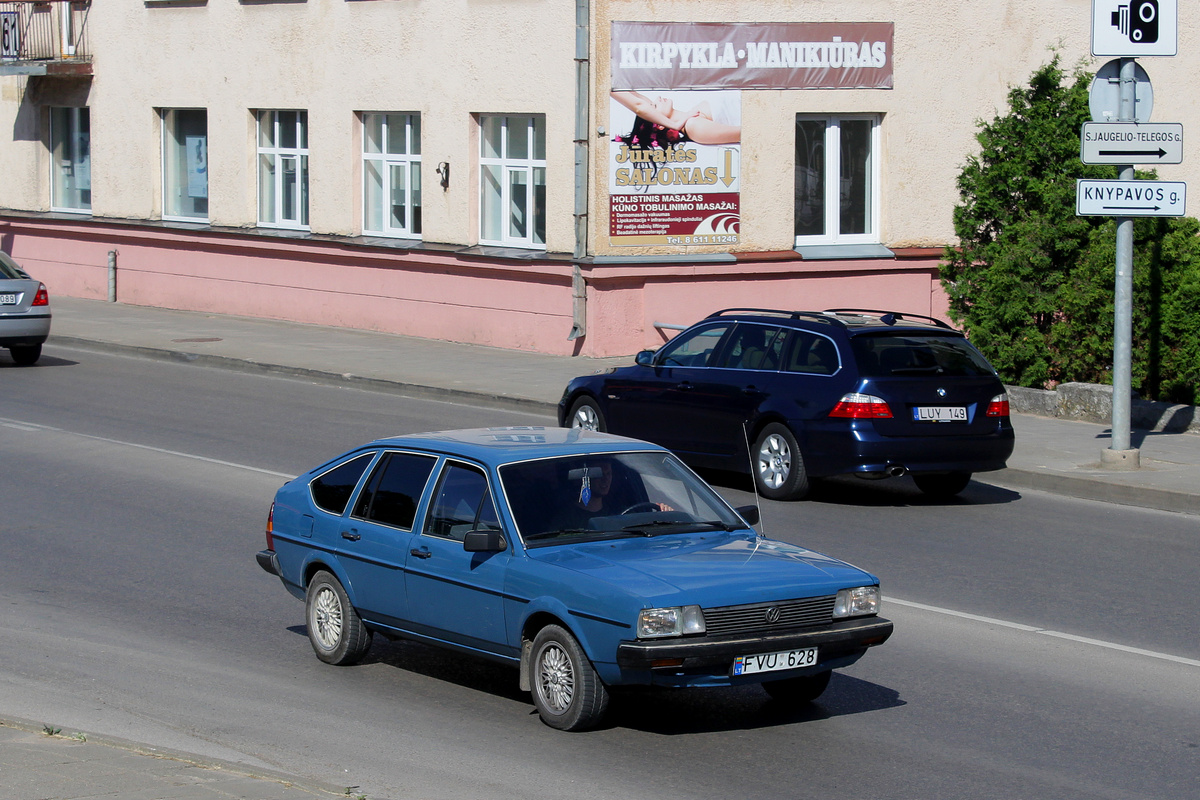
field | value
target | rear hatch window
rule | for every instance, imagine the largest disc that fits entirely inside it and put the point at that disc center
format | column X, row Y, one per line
column 916, row 354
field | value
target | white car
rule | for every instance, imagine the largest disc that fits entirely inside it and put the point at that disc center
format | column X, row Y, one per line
column 24, row 312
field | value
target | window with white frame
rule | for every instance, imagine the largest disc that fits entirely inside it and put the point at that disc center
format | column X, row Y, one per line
column 837, row 179
column 185, row 164
column 392, row 175
column 283, row 169
column 71, row 160
column 512, row 170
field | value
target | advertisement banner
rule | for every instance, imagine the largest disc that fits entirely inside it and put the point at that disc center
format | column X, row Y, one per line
column 779, row 55
column 674, row 167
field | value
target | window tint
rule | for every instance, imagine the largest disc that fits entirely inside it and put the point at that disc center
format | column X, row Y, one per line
column 331, row 491
column 692, row 349
column 811, row 354
column 10, row 270
column 395, row 489
column 462, row 503
column 916, row 354
column 752, row 347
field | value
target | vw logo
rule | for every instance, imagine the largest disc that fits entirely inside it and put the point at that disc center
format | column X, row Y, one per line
column 941, row 392
column 772, row 615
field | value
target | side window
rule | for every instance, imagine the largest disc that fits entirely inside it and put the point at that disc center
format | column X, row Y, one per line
column 462, row 503
column 752, row 347
column 811, row 354
column 331, row 491
column 395, row 489
column 692, row 349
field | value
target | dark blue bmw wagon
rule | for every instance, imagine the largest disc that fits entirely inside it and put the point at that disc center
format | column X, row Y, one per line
column 793, row 395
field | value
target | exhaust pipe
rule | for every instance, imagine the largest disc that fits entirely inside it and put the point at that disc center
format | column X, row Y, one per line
column 896, row 470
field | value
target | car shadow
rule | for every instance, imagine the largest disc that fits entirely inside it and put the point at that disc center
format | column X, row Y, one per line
column 674, row 712
column 6, row 362
column 891, row 492
column 649, row 709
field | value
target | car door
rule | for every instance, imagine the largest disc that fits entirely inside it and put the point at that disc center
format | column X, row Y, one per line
column 374, row 537
column 454, row 595
column 658, row 404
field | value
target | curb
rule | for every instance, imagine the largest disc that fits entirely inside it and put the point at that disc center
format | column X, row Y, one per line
column 1089, row 489
column 314, row 788
column 325, row 377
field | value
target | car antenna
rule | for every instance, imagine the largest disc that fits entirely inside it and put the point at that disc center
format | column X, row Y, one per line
column 753, row 482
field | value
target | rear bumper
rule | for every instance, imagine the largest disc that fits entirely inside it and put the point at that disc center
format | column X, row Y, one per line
column 861, row 450
column 268, row 561
column 24, row 329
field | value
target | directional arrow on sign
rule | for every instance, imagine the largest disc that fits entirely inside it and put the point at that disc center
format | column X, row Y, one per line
column 1131, row 143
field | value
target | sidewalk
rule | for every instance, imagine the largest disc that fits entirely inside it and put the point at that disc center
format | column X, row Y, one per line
column 1051, row 455
column 75, row 766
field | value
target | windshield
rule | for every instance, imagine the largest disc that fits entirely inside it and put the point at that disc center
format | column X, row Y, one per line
column 888, row 355
column 610, row 496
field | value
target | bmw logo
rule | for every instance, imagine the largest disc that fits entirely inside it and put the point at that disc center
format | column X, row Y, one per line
column 941, row 392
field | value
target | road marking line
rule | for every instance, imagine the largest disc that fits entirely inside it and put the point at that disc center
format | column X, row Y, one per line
column 1191, row 662
column 33, row 427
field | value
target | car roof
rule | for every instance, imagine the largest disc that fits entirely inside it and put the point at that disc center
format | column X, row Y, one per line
column 851, row 320
column 503, row 445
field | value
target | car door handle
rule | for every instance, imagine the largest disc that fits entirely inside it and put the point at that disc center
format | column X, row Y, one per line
column 751, row 389
column 421, row 553
column 684, row 386
column 351, row 535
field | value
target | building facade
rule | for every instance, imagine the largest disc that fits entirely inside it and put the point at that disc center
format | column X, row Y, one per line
column 565, row 176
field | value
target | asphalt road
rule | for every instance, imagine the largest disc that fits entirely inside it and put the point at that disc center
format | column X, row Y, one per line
column 1045, row 647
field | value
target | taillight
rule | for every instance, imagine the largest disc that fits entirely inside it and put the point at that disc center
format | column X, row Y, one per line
column 271, row 528
column 42, row 298
column 998, row 407
column 861, row 406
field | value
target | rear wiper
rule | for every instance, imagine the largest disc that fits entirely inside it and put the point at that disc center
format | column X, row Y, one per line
column 916, row 370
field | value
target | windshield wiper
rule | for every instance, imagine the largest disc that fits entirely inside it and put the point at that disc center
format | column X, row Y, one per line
column 558, row 532
column 690, row 524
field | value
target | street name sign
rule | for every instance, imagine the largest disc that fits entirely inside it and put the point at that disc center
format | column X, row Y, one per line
column 1131, row 143
column 1130, row 198
column 1135, row 28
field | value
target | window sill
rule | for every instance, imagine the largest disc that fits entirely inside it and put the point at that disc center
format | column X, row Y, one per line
column 838, row 252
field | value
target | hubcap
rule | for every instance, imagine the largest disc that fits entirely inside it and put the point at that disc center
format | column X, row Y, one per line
column 774, row 461
column 586, row 418
column 556, row 678
column 327, row 618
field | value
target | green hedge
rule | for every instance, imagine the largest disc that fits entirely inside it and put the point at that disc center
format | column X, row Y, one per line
column 1033, row 284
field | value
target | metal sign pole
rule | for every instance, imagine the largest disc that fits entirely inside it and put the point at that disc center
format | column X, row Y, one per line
column 1122, row 375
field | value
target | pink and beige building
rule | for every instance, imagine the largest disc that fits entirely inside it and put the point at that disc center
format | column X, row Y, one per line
column 564, row 176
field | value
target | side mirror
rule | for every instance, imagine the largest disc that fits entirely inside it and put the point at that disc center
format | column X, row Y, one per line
column 749, row 513
column 645, row 358
column 484, row 542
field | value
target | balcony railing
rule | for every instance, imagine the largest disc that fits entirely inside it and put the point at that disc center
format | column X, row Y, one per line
column 44, row 37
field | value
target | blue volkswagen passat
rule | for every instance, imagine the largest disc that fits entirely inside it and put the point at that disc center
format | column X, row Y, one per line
column 585, row 560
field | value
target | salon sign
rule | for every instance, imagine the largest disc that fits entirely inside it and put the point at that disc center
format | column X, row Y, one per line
column 773, row 55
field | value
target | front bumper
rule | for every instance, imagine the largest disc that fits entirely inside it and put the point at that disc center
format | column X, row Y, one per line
column 716, row 653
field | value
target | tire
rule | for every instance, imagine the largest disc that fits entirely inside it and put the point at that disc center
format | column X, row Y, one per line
column 567, row 692
column 335, row 630
column 778, row 466
column 797, row 691
column 586, row 414
column 26, row 354
column 944, row 486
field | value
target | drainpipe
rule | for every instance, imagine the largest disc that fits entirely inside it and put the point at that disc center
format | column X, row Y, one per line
column 112, row 276
column 582, row 100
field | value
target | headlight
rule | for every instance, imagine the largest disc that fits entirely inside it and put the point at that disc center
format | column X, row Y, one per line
column 653, row 622
column 858, row 602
